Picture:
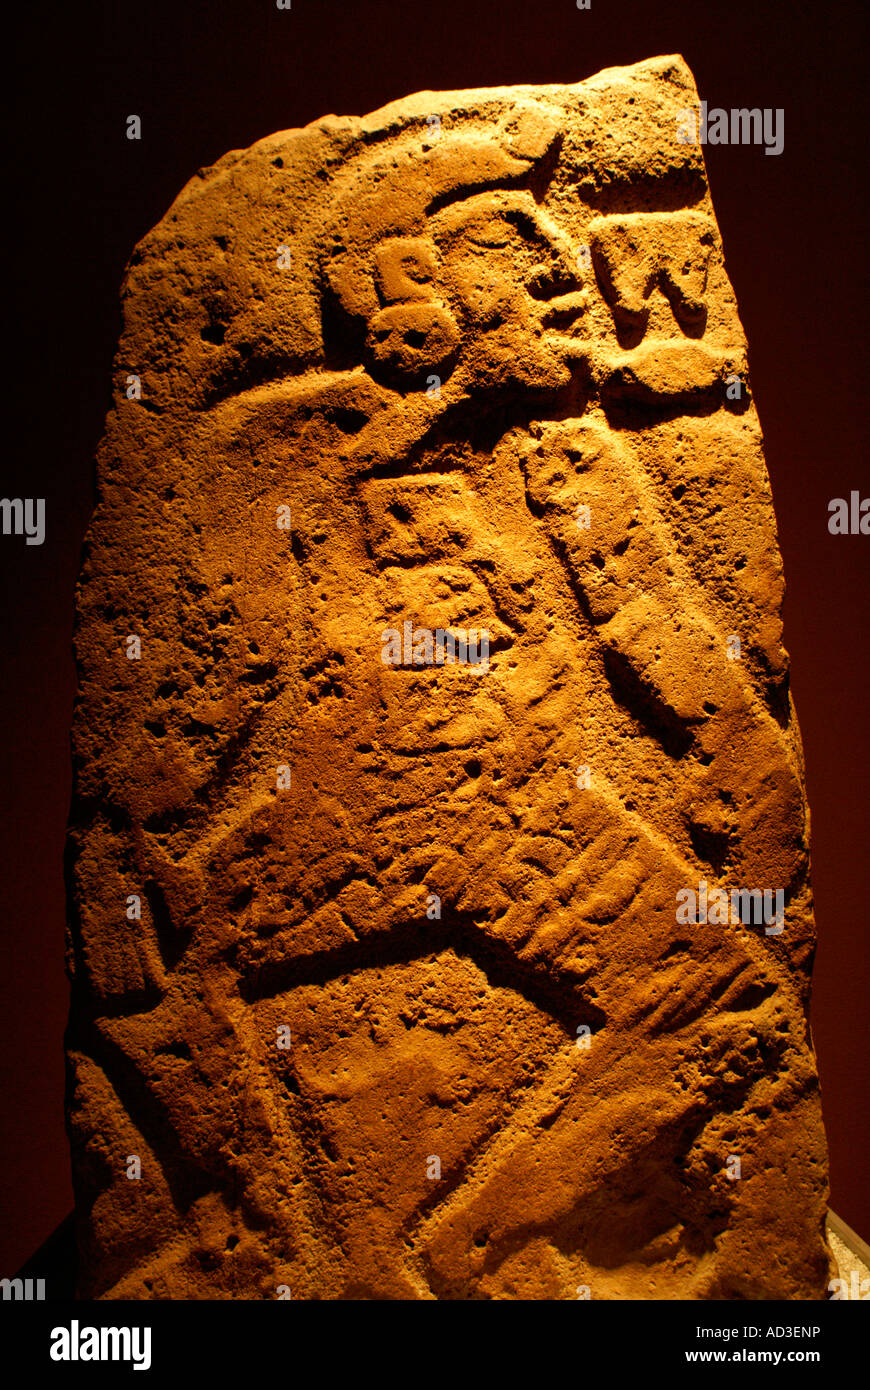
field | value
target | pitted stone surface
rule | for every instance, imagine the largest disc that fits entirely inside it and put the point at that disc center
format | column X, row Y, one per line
column 409, row 1011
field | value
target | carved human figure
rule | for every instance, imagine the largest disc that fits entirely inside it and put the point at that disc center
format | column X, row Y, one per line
column 361, row 1004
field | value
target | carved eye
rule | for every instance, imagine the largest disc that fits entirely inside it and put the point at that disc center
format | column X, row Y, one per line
column 494, row 234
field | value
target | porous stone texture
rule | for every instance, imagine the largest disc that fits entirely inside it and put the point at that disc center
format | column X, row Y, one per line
column 851, row 1269
column 408, row 1011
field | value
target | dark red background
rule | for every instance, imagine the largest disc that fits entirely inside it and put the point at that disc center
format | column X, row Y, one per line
column 210, row 75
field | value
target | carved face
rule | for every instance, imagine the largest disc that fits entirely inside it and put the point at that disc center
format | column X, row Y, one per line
column 483, row 297
column 511, row 279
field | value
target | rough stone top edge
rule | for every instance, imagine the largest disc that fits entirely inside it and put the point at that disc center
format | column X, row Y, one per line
column 663, row 68
column 670, row 69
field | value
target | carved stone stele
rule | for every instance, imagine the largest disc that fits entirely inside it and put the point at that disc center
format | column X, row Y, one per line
column 398, row 977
